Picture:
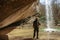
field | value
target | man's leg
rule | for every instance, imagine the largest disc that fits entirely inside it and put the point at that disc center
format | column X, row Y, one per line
column 34, row 34
column 37, row 33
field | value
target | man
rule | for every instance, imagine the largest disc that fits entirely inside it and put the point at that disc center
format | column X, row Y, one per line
column 36, row 28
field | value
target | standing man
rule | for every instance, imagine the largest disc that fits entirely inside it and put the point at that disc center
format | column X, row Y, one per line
column 36, row 28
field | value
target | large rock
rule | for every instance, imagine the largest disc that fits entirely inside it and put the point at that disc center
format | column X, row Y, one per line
column 13, row 11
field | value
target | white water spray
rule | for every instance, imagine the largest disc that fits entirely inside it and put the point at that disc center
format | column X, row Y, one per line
column 49, row 16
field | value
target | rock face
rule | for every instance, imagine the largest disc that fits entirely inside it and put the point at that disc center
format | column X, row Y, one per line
column 14, row 10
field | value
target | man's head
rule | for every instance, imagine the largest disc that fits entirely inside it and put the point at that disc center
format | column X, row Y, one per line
column 37, row 17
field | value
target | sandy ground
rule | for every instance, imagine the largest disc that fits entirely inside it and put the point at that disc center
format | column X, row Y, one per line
column 26, row 33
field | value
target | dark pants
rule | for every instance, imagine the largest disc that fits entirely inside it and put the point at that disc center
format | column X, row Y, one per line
column 36, row 31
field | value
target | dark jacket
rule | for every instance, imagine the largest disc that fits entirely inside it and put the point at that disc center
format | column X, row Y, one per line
column 36, row 23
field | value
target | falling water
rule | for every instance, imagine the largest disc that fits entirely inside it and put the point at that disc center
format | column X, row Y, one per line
column 49, row 16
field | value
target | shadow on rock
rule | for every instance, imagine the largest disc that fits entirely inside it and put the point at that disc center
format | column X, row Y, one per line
column 4, row 37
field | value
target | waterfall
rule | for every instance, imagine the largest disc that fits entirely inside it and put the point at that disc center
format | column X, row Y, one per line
column 49, row 14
